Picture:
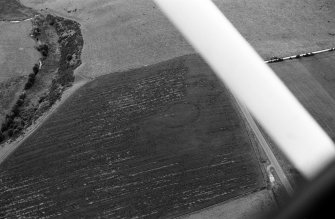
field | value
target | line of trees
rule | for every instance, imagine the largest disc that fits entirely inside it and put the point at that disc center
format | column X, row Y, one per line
column 13, row 123
column 31, row 78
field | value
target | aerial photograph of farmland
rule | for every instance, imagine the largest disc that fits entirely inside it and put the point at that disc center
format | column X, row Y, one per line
column 107, row 111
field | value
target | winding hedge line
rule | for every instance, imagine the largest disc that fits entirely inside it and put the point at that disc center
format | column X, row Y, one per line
column 70, row 48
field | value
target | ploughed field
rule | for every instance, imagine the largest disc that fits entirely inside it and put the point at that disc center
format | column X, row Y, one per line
column 152, row 142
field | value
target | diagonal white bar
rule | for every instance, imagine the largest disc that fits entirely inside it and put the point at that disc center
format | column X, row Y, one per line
column 253, row 82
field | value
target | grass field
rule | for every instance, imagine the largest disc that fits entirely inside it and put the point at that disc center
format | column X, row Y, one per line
column 311, row 80
column 17, row 57
column 12, row 10
column 17, row 52
column 123, row 34
column 157, row 141
column 118, row 34
column 252, row 206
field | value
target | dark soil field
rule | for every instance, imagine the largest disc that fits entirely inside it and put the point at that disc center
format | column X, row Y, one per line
column 13, row 10
column 152, row 142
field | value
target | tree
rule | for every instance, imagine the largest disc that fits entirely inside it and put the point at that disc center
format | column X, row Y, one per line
column 15, row 110
column 10, row 132
column 2, row 137
column 43, row 49
column 36, row 69
column 30, row 82
column 36, row 32
column 22, row 96
column 69, row 57
column 50, row 19
column 19, row 102
column 28, row 85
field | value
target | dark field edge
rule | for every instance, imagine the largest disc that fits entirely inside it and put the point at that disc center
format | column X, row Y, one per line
column 261, row 157
column 119, row 74
column 262, row 163
column 295, row 178
column 25, row 112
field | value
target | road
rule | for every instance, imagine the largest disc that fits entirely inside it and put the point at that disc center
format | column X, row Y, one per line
column 267, row 149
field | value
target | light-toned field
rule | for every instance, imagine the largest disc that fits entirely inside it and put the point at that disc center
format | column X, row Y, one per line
column 311, row 80
column 283, row 27
column 254, row 205
column 123, row 34
column 17, row 57
column 17, row 52
column 120, row 34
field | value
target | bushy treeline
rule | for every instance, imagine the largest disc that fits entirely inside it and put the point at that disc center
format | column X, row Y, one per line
column 13, row 123
column 43, row 49
column 70, row 47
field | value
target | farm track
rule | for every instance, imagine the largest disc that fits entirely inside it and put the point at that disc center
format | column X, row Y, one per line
column 158, row 141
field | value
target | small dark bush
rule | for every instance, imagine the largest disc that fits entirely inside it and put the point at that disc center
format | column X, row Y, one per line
column 28, row 85
column 19, row 102
column 10, row 132
column 36, row 69
column 2, row 137
column 44, row 53
column 69, row 57
column 15, row 110
column 30, row 82
column 50, row 19
column 3, row 127
column 9, row 118
column 52, row 22
column 36, row 32
column 43, row 49
column 31, row 77
column 22, row 96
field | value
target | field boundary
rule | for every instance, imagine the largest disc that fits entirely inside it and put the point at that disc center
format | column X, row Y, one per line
column 267, row 149
column 9, row 147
